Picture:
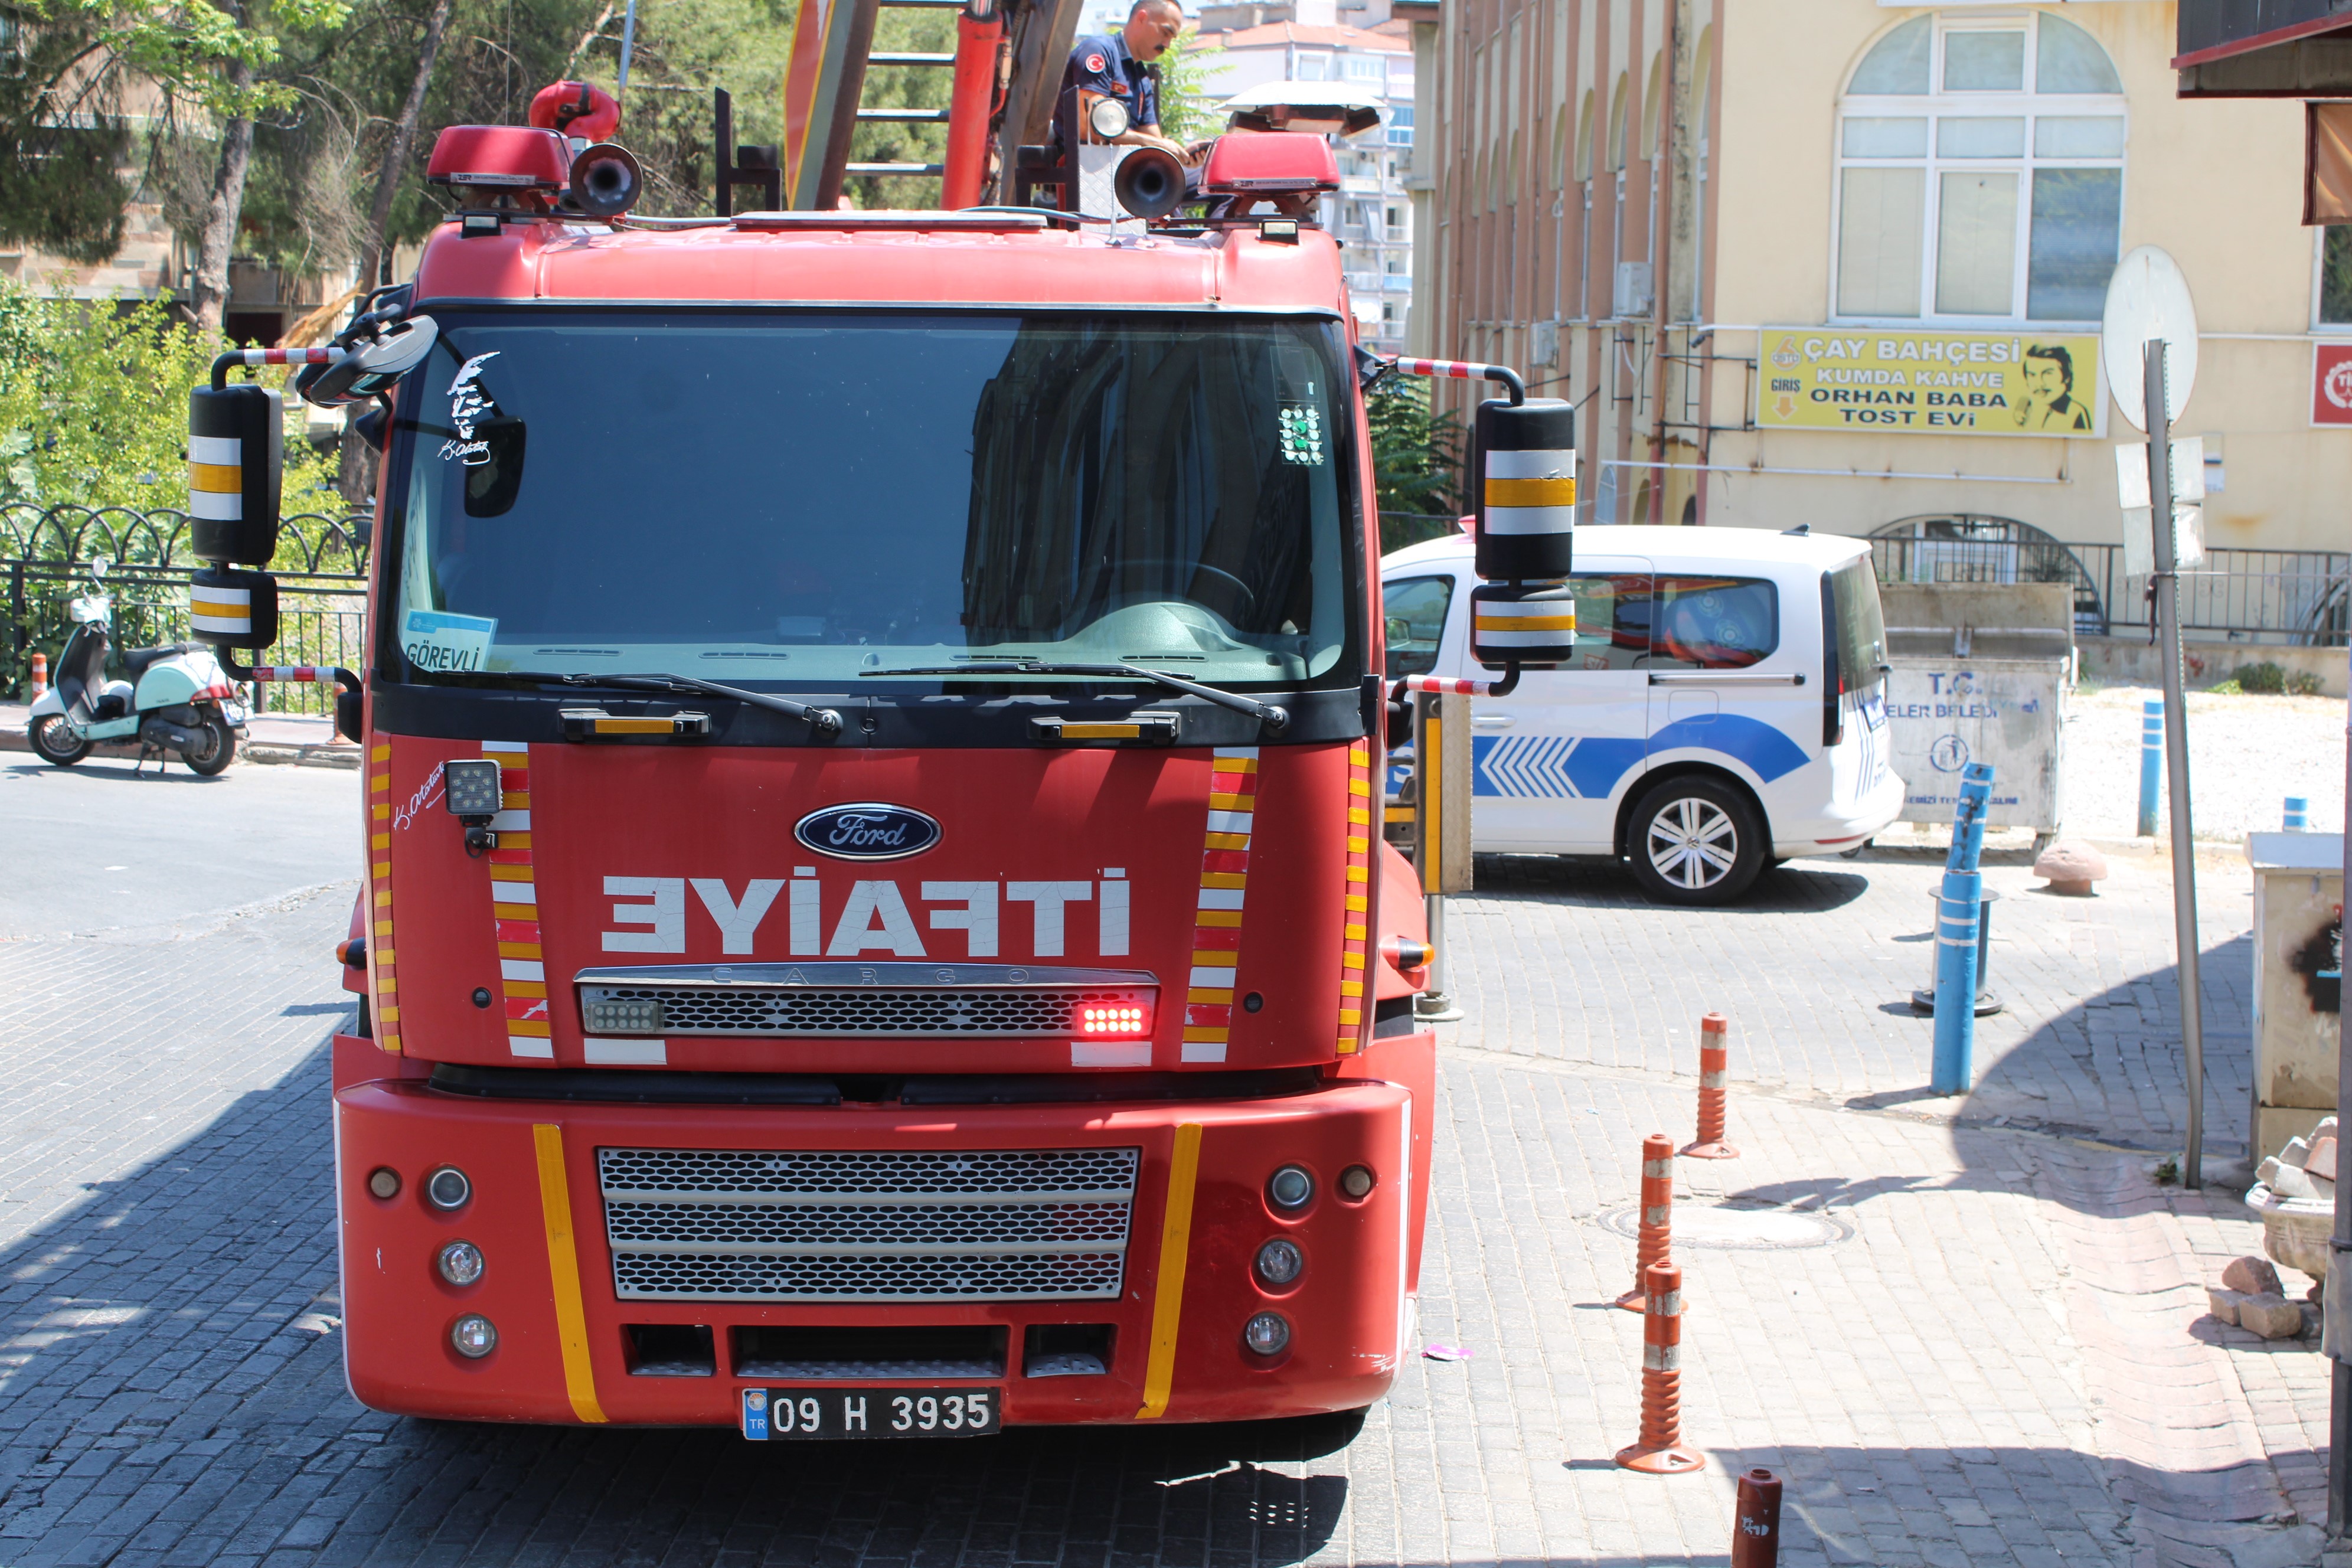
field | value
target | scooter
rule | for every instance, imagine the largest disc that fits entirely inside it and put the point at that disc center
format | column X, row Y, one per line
column 182, row 701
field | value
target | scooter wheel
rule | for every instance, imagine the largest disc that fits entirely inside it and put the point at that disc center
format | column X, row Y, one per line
column 53, row 741
column 219, row 747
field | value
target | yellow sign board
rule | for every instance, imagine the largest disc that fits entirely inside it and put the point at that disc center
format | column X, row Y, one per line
column 1930, row 383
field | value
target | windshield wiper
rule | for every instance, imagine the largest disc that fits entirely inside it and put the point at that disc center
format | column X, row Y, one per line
column 1275, row 718
column 823, row 720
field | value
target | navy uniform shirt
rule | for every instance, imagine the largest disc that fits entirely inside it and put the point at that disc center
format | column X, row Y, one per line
column 1102, row 65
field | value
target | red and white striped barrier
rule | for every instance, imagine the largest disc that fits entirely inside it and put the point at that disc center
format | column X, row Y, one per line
column 1442, row 685
column 1460, row 370
column 323, row 674
column 253, row 357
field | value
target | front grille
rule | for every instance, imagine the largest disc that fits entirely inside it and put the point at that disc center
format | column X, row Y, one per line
column 877, row 1000
column 863, row 1225
column 714, row 1010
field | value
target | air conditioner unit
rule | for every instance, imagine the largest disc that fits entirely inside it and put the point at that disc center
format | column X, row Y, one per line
column 1637, row 295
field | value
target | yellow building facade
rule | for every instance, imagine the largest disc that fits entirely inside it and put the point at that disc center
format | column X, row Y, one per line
column 1841, row 263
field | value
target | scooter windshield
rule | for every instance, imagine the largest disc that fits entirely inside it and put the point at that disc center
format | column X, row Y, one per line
column 789, row 498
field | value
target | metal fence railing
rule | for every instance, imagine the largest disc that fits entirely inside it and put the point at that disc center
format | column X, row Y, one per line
column 2294, row 597
column 49, row 555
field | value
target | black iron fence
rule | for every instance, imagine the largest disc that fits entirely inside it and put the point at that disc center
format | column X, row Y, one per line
column 2294, row 597
column 50, row 555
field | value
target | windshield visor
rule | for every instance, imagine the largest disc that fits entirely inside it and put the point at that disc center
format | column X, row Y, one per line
column 790, row 500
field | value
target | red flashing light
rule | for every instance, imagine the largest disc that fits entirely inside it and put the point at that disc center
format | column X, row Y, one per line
column 1115, row 1016
column 1270, row 161
column 499, row 157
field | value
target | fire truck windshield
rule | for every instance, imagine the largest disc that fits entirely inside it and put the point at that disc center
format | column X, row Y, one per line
column 788, row 498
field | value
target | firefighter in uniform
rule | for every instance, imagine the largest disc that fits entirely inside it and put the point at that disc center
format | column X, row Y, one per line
column 1119, row 65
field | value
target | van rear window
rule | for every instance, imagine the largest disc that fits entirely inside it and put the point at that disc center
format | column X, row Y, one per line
column 1857, row 625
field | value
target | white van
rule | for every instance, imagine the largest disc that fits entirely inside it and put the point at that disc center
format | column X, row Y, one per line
column 1726, row 709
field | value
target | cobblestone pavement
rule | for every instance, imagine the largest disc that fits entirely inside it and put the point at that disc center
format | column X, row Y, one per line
column 1993, row 1353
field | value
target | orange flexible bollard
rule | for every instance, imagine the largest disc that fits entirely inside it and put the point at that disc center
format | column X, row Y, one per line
column 1756, row 1522
column 1660, row 1452
column 1654, row 1236
column 1714, row 1075
column 40, row 676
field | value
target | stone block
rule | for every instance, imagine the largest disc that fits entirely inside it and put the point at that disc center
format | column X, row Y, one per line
column 2271, row 1316
column 2223, row 1304
column 2251, row 1276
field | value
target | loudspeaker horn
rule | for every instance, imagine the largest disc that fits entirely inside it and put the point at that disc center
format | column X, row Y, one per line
column 1150, row 183
column 606, row 179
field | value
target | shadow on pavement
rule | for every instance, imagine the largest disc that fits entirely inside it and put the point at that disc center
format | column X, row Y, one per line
column 171, row 1383
column 1797, row 888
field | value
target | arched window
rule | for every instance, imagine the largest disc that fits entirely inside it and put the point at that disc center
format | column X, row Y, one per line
column 1980, row 172
column 1584, row 139
column 1617, row 107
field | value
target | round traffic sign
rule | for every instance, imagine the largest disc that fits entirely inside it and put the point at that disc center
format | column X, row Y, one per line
column 2149, row 297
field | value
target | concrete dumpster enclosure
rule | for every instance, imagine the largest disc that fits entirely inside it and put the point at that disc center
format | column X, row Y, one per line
column 2298, row 1007
column 1982, row 674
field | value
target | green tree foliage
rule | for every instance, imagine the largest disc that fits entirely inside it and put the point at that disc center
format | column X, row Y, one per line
column 1188, row 91
column 1416, row 460
column 94, row 400
column 684, row 48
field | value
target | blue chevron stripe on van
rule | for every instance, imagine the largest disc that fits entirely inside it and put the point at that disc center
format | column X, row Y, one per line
column 1588, row 767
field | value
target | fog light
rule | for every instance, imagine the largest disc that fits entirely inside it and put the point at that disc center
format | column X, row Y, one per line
column 1112, row 1015
column 1279, row 1261
column 1356, row 1180
column 1268, row 1333
column 1098, row 1020
column 384, row 1182
column 470, row 788
column 473, row 1336
column 447, row 1188
column 460, row 1263
column 1290, row 1188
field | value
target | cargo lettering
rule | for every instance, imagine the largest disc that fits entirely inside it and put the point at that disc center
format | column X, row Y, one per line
column 649, row 915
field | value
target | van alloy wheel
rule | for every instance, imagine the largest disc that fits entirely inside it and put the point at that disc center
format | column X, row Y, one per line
column 1694, row 844
column 1695, row 841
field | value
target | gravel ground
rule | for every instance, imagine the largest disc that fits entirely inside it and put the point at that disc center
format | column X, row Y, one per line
column 2246, row 754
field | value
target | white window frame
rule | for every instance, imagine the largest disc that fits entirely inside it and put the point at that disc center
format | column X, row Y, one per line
column 1937, row 105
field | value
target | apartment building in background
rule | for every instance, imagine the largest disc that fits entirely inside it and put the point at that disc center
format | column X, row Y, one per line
column 1843, row 265
column 1255, row 44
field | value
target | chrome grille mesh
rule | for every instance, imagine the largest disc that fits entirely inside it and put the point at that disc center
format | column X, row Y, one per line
column 881, row 1010
column 849, row 1225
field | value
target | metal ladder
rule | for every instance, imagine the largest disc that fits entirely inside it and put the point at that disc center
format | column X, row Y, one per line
column 905, row 116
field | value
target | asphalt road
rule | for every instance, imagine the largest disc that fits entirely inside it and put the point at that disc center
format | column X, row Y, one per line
column 95, row 848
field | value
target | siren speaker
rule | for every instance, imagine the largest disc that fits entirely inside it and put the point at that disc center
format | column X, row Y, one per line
column 606, row 179
column 1150, row 181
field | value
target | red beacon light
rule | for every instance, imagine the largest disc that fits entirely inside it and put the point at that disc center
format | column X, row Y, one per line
column 501, row 165
column 1270, row 162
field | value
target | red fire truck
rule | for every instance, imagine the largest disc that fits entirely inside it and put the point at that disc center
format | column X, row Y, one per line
column 875, row 920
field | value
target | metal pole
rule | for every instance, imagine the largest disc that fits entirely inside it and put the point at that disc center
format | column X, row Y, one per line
column 2176, row 760
column 1959, row 911
column 2338, row 1295
column 2151, row 763
column 628, row 47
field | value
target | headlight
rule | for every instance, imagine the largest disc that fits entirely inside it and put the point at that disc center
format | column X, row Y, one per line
column 460, row 1263
column 1279, row 1261
column 1290, row 1188
column 447, row 1189
column 473, row 1336
column 1268, row 1333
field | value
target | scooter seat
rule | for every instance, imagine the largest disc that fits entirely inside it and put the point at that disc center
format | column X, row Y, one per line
column 137, row 659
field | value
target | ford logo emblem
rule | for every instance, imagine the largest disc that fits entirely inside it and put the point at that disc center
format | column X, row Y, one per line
column 868, row 831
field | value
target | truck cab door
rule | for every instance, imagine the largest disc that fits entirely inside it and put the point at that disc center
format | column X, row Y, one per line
column 1553, row 759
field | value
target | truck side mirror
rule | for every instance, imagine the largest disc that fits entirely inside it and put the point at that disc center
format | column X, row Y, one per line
column 235, row 453
column 1524, row 613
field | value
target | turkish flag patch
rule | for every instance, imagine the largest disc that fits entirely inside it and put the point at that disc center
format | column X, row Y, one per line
column 1095, row 62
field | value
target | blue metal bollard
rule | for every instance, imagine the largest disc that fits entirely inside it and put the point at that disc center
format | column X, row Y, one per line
column 1956, row 936
column 2298, row 814
column 2151, row 763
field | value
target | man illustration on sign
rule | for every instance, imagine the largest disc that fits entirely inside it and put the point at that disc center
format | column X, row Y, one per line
column 2048, row 402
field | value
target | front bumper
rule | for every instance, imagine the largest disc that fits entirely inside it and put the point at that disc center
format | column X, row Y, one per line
column 563, row 1350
